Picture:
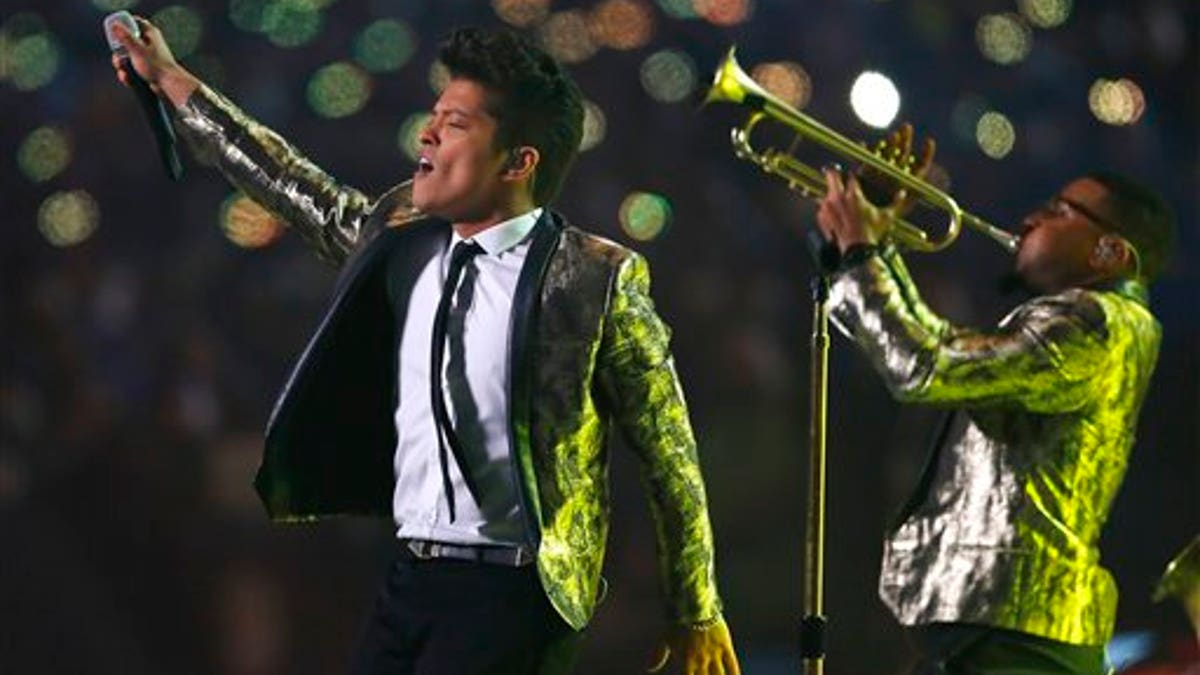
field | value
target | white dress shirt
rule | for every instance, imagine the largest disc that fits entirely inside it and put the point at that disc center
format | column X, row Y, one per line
column 476, row 386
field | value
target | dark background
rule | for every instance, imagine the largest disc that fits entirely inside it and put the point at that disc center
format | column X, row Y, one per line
column 139, row 366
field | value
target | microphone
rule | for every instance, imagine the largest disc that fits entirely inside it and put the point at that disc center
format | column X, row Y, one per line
column 152, row 106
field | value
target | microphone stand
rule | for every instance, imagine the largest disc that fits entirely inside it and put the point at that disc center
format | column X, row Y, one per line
column 812, row 625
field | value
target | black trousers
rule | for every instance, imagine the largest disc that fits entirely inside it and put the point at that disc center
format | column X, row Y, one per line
column 453, row 617
column 964, row 649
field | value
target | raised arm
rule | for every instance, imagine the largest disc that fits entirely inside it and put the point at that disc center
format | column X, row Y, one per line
column 1043, row 357
column 252, row 157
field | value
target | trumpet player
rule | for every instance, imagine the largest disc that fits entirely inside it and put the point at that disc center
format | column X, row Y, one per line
column 993, row 566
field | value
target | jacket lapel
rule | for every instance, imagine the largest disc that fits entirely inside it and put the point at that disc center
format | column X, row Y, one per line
column 526, row 301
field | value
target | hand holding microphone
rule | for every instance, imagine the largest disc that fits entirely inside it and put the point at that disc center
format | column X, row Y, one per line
column 145, row 64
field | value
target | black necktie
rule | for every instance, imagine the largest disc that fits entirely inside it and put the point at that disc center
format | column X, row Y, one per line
column 463, row 252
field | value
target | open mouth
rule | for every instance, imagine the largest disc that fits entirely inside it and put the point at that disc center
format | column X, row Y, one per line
column 424, row 166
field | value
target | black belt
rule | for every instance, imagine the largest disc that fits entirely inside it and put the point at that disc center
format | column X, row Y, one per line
column 509, row 556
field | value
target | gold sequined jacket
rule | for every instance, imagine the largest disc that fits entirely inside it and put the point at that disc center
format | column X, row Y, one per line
column 587, row 350
column 1003, row 528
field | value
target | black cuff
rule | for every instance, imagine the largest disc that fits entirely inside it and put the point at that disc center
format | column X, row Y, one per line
column 858, row 254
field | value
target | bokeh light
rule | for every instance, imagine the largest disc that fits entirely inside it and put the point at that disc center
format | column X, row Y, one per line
column 113, row 5
column 932, row 20
column 247, row 224
column 995, row 134
column 678, row 9
column 385, row 45
column 668, row 75
column 521, row 13
column 410, row 131
column 292, row 23
column 339, row 89
column 875, row 99
column 621, row 24
column 1003, row 38
column 248, row 14
column 68, row 218
column 1045, row 13
column 439, row 76
column 786, row 80
column 1117, row 102
column 182, row 28
column 964, row 116
column 724, row 12
column 32, row 60
column 644, row 215
column 595, row 125
column 44, row 154
column 566, row 37
column 209, row 68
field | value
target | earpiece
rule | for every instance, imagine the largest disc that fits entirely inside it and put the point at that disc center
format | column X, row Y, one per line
column 1108, row 250
column 514, row 161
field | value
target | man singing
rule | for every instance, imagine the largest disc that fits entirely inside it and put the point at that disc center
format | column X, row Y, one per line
column 464, row 377
column 994, row 566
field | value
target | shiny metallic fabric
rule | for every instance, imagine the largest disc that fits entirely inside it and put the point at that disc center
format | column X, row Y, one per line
column 599, row 354
column 1004, row 530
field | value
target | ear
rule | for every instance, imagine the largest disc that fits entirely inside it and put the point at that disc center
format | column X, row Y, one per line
column 521, row 163
column 1110, row 255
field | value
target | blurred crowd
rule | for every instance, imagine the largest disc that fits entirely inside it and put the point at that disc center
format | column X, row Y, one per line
column 139, row 366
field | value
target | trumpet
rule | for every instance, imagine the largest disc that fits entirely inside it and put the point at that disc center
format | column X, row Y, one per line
column 731, row 84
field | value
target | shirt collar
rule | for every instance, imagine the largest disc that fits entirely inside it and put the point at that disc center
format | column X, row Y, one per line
column 503, row 235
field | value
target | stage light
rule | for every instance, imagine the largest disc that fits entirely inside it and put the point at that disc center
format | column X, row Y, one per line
column 1003, row 38
column 339, row 89
column 248, row 14
column 995, row 135
column 1045, row 13
column 521, row 13
column 409, row 137
column 595, row 125
column 385, row 45
column 786, row 80
column 875, row 99
column 439, row 76
column 644, row 215
column 113, row 5
column 621, row 24
column 1117, row 102
column 566, row 37
column 30, row 53
column 723, row 12
column 44, row 154
column 292, row 23
column 182, row 28
column 668, row 75
column 68, row 218
column 964, row 116
column 678, row 9
column 247, row 224
column 208, row 68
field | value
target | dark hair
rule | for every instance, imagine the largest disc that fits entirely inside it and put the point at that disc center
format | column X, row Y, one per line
column 533, row 100
column 1142, row 216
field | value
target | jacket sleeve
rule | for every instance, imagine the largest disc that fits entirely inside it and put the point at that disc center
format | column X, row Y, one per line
column 268, row 169
column 638, row 374
column 1041, row 358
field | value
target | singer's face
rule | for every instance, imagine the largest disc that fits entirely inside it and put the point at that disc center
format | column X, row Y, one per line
column 1059, row 237
column 459, row 167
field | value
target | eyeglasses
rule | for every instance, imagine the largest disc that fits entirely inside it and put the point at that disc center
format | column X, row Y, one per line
column 1062, row 207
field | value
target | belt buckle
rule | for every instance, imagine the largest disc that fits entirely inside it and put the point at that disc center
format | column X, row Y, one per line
column 421, row 549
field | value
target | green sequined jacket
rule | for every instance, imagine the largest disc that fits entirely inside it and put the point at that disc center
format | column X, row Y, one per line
column 588, row 350
column 1004, row 527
